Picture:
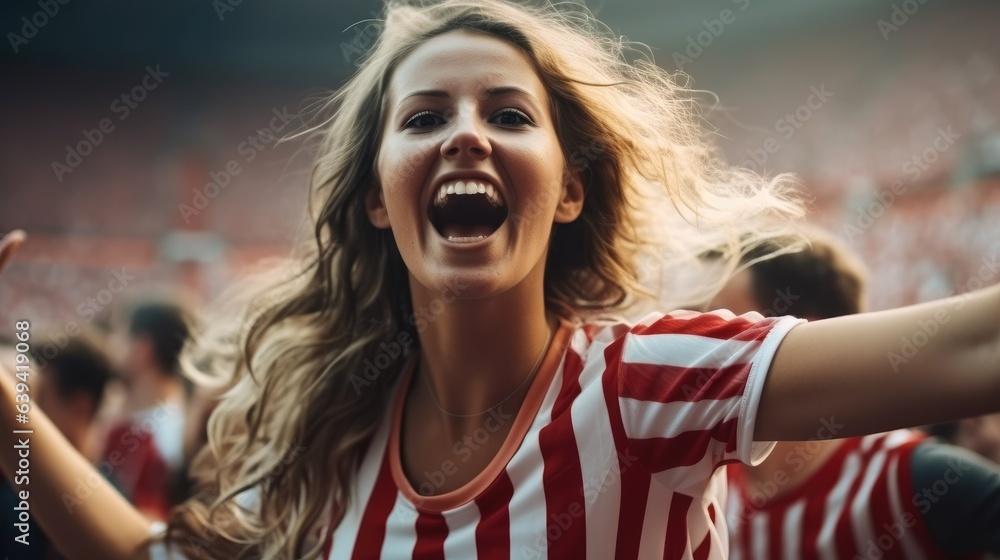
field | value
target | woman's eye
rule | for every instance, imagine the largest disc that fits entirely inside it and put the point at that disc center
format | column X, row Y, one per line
column 423, row 119
column 511, row 117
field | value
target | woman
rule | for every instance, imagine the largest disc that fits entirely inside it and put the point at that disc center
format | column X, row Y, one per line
column 445, row 376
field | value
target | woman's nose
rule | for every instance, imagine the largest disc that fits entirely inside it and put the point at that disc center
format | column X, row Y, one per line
column 467, row 138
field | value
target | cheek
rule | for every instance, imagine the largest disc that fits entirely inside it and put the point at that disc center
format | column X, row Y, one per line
column 402, row 169
column 537, row 171
column 402, row 156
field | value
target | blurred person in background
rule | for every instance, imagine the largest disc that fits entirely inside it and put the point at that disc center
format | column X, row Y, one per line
column 980, row 434
column 69, row 388
column 145, row 445
column 893, row 495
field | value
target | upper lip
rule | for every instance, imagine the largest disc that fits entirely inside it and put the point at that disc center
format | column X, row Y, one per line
column 467, row 174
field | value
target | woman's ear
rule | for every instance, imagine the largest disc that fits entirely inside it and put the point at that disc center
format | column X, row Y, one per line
column 570, row 198
column 375, row 208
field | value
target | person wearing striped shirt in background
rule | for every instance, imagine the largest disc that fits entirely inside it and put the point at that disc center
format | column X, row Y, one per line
column 447, row 372
column 894, row 495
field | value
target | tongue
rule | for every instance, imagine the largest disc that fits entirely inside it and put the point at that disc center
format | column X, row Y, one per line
column 465, row 230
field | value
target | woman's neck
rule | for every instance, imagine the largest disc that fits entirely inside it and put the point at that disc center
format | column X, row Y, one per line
column 475, row 354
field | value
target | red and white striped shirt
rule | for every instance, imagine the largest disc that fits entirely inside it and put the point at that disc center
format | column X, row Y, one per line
column 858, row 504
column 611, row 455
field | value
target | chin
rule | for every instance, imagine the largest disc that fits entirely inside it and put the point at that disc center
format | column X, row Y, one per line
column 463, row 283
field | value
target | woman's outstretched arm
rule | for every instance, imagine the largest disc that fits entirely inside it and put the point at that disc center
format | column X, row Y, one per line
column 873, row 372
column 100, row 523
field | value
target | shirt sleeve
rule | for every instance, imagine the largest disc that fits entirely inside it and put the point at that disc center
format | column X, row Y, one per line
column 689, row 385
column 957, row 493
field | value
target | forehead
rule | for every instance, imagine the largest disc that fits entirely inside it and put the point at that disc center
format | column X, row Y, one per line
column 464, row 60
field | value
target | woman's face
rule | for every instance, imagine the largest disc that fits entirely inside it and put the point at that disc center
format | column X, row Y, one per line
column 470, row 170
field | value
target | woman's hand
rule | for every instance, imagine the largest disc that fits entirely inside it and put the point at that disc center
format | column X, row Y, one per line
column 9, row 244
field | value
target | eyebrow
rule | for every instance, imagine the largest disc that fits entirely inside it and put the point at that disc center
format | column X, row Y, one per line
column 491, row 91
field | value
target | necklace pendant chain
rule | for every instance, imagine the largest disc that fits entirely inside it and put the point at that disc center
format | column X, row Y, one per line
column 531, row 375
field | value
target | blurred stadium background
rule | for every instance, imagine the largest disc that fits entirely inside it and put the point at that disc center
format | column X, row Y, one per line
column 888, row 110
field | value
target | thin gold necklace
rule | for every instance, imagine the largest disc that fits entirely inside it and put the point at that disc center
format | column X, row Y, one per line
column 530, row 375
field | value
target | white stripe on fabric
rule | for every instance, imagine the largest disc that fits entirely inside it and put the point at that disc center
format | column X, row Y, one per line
column 346, row 534
column 651, row 419
column 657, row 512
column 734, row 509
column 759, row 527
column 791, row 548
column 861, row 513
column 595, row 445
column 400, row 530
column 835, row 501
column 527, row 507
column 700, row 527
column 896, row 438
column 462, row 523
column 686, row 350
column 717, row 494
column 688, row 479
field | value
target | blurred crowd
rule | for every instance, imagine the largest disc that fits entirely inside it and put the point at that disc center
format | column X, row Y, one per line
column 116, row 391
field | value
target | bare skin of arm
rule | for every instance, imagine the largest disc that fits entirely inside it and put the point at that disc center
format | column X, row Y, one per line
column 104, row 525
column 874, row 372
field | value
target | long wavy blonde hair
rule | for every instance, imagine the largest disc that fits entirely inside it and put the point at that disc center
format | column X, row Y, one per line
column 294, row 422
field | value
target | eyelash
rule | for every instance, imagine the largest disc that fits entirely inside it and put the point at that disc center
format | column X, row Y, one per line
column 513, row 111
column 504, row 111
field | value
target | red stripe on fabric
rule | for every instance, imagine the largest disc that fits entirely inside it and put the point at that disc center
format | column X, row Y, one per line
column 738, row 508
column 844, row 532
column 812, row 519
column 632, row 511
column 744, row 541
column 878, row 504
column 371, row 531
column 776, row 520
column 704, row 550
column 572, row 367
column 676, row 540
column 432, row 530
column 633, row 479
column 493, row 531
column 685, row 449
column 664, row 384
column 611, row 384
column 746, row 535
column 562, row 475
column 708, row 325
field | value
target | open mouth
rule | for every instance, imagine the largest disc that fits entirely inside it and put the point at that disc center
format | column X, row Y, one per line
column 467, row 210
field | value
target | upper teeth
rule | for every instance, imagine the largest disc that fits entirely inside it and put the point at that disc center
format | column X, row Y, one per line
column 467, row 187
